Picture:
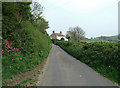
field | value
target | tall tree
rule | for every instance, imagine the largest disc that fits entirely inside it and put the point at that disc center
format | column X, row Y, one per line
column 43, row 24
column 36, row 10
column 76, row 33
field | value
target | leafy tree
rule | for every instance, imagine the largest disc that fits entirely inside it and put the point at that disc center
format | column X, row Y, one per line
column 76, row 33
column 67, row 36
column 24, row 11
column 36, row 11
column 43, row 24
column 13, row 14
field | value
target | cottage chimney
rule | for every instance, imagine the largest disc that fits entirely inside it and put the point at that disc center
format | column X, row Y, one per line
column 60, row 32
column 53, row 32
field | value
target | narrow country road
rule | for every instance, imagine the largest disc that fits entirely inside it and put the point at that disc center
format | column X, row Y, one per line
column 64, row 70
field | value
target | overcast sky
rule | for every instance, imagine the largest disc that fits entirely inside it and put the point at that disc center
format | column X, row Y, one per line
column 95, row 17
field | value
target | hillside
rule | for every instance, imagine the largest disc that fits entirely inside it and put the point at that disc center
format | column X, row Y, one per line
column 105, row 38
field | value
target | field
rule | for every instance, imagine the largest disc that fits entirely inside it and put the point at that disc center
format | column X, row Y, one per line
column 105, row 39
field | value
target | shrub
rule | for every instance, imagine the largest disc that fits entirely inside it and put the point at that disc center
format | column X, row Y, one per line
column 25, row 44
column 101, row 56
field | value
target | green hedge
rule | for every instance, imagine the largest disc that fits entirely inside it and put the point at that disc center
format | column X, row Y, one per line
column 101, row 56
column 24, row 43
column 34, row 47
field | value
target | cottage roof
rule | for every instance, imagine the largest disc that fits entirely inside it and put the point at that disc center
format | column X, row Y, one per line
column 58, row 34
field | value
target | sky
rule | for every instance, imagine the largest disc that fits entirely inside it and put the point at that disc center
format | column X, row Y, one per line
column 95, row 17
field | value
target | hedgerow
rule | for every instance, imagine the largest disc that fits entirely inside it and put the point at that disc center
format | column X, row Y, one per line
column 24, row 43
column 101, row 56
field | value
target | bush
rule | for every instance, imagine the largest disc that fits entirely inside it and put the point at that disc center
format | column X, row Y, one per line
column 33, row 46
column 25, row 44
column 101, row 56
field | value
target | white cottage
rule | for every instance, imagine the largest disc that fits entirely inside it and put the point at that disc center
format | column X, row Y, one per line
column 58, row 36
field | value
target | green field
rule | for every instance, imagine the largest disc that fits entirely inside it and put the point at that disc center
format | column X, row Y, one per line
column 104, row 38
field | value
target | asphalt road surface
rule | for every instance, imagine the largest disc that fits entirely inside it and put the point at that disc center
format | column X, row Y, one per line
column 64, row 70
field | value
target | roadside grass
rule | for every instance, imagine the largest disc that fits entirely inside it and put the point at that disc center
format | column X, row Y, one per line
column 101, row 56
column 24, row 82
column 11, row 69
column 17, row 80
